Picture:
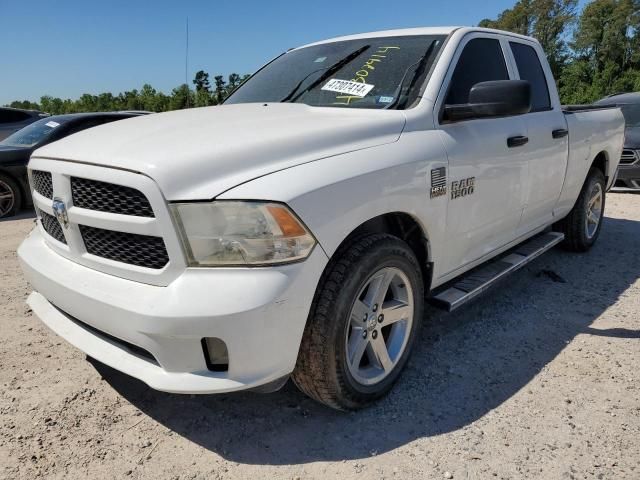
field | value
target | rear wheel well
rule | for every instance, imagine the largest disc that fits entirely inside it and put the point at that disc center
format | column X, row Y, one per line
column 406, row 228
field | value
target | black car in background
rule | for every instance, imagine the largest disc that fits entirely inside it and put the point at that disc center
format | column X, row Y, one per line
column 629, row 169
column 13, row 119
column 16, row 149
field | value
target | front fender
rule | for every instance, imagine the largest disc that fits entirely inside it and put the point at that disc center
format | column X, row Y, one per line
column 335, row 195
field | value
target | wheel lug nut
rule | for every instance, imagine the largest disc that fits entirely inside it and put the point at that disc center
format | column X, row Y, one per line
column 365, row 317
column 380, row 318
column 364, row 334
column 374, row 334
column 375, row 307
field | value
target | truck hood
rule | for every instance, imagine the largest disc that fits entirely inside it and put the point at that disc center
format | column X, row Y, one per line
column 199, row 153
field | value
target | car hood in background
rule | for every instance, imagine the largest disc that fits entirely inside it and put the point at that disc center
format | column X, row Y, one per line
column 202, row 152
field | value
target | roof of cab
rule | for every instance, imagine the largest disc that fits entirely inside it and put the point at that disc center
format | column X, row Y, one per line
column 417, row 31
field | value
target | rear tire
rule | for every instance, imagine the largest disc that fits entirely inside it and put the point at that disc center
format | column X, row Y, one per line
column 362, row 323
column 583, row 224
column 10, row 196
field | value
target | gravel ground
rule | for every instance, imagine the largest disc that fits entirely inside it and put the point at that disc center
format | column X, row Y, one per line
column 537, row 379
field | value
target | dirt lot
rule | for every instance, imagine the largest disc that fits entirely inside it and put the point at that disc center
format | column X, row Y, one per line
column 538, row 379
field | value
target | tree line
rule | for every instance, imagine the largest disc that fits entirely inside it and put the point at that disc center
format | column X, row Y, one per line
column 147, row 98
column 592, row 53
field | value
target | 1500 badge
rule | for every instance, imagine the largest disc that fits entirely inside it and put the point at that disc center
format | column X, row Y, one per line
column 462, row 188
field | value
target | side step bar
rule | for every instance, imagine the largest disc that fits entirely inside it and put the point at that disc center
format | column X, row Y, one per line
column 473, row 283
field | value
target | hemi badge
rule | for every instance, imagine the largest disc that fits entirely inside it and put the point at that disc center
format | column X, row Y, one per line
column 438, row 182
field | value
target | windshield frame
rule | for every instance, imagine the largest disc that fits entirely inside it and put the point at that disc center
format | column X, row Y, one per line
column 420, row 88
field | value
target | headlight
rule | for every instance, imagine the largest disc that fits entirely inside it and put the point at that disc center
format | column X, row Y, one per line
column 235, row 233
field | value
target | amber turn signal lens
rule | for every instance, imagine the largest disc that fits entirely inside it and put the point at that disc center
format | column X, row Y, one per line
column 288, row 224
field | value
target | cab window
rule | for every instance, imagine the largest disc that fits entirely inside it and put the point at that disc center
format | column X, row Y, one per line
column 481, row 60
column 530, row 69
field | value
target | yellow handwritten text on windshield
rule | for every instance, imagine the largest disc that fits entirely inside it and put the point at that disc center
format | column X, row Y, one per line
column 362, row 75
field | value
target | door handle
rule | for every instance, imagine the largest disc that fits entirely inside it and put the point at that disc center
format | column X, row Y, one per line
column 517, row 141
column 560, row 133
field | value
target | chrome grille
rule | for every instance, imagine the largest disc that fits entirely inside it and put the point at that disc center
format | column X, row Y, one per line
column 628, row 157
column 108, row 197
column 52, row 226
column 119, row 221
column 42, row 183
column 140, row 250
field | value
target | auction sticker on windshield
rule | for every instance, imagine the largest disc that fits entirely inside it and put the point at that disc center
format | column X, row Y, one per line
column 357, row 89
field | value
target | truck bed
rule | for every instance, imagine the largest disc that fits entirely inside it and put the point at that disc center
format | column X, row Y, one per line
column 585, row 107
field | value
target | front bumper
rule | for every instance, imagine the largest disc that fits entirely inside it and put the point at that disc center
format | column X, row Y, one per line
column 628, row 177
column 260, row 314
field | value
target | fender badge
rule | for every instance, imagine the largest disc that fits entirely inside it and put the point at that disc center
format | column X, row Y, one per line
column 438, row 182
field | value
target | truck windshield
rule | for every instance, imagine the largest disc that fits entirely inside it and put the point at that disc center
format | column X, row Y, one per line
column 383, row 72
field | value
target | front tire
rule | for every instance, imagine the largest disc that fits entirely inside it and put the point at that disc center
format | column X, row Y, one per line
column 362, row 323
column 583, row 224
column 10, row 196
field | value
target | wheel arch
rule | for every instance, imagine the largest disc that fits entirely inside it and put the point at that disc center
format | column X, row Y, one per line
column 403, row 226
column 601, row 162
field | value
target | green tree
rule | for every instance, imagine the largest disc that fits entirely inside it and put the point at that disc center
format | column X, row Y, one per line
column 220, row 92
column 24, row 104
column 546, row 20
column 147, row 98
column 181, row 97
column 233, row 82
column 606, row 54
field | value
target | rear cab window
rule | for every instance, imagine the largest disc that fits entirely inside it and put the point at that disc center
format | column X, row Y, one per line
column 530, row 69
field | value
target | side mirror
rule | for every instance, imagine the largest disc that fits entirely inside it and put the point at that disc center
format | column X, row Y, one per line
column 497, row 98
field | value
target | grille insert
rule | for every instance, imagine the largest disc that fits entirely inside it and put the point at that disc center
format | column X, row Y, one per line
column 42, row 183
column 628, row 157
column 52, row 226
column 110, row 198
column 140, row 250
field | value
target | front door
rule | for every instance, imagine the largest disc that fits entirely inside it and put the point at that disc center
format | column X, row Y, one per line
column 486, row 177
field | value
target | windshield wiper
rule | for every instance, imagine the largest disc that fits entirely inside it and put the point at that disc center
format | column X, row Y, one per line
column 421, row 66
column 297, row 87
column 329, row 71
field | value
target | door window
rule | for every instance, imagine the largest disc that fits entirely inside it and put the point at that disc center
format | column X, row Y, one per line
column 530, row 69
column 481, row 60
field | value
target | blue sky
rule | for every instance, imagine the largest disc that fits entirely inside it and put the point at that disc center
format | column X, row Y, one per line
column 67, row 48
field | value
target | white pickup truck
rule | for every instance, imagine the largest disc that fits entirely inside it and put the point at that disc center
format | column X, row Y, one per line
column 298, row 229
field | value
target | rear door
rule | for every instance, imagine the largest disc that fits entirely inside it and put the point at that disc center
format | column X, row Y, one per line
column 486, row 178
column 547, row 149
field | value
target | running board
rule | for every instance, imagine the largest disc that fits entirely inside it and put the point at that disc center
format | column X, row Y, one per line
column 473, row 283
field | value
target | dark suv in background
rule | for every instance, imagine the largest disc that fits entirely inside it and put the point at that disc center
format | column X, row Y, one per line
column 13, row 119
column 629, row 168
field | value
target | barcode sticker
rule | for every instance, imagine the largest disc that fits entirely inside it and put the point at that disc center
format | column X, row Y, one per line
column 356, row 89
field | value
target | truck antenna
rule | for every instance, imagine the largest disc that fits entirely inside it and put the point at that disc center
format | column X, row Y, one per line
column 186, row 62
